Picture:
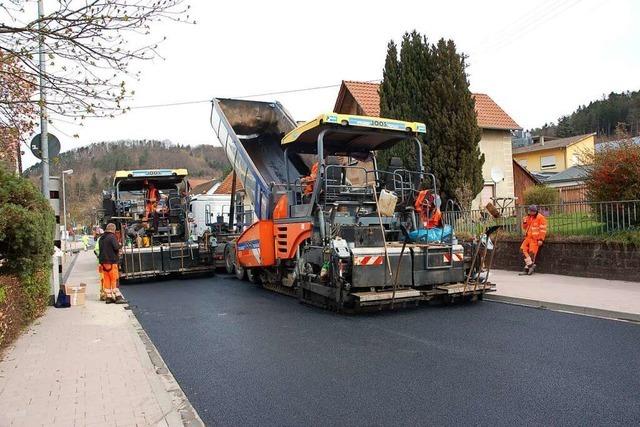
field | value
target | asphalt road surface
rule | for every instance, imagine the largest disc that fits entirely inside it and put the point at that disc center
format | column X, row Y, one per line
column 247, row 356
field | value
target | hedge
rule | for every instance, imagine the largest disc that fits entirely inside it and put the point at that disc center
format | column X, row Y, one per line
column 26, row 244
column 541, row 195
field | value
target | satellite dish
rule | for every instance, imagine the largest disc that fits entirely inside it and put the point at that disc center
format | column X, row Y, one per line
column 53, row 142
column 497, row 175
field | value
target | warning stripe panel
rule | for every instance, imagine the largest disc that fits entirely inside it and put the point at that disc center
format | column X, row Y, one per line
column 457, row 257
column 368, row 260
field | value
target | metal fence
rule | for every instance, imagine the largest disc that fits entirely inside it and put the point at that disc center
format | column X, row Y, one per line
column 566, row 219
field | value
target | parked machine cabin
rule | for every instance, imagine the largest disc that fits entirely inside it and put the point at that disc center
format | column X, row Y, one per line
column 150, row 209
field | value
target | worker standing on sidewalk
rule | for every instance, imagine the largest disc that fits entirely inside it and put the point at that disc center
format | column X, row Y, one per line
column 96, row 250
column 534, row 226
column 108, row 256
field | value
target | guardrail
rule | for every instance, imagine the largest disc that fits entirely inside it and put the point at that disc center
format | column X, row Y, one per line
column 566, row 219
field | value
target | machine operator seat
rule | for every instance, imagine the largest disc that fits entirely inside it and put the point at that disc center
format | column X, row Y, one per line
column 334, row 177
column 390, row 180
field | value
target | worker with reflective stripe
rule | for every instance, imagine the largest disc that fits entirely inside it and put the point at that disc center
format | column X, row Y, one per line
column 96, row 250
column 534, row 226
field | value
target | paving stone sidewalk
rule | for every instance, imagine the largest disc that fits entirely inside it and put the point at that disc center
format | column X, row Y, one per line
column 595, row 297
column 88, row 365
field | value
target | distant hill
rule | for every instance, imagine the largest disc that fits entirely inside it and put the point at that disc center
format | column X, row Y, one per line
column 607, row 116
column 94, row 166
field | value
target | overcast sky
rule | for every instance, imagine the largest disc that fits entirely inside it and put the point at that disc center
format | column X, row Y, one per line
column 536, row 59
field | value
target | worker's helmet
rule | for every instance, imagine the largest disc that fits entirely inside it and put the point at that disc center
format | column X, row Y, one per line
column 533, row 208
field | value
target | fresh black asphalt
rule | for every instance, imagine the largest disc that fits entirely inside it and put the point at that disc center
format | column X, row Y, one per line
column 246, row 356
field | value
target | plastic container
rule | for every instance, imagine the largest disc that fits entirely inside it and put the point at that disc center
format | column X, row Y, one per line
column 387, row 203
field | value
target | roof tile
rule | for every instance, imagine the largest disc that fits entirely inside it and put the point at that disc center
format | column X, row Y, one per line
column 555, row 143
column 490, row 115
column 225, row 185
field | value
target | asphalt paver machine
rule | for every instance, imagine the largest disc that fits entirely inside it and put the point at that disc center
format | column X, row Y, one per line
column 150, row 209
column 332, row 228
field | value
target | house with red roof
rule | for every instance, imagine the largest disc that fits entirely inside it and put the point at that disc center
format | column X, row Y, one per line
column 362, row 98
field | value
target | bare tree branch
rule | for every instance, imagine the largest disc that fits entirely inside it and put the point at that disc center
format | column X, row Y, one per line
column 91, row 45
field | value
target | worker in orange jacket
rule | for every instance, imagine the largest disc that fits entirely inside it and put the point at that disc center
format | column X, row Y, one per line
column 425, row 206
column 151, row 199
column 309, row 181
column 534, row 226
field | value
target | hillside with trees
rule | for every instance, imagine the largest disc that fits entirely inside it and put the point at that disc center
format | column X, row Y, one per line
column 94, row 166
column 602, row 116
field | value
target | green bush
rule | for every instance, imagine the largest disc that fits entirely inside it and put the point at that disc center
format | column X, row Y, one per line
column 26, row 226
column 541, row 195
column 35, row 288
column 26, row 244
column 614, row 173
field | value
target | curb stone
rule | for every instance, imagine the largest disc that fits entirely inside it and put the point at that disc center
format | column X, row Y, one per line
column 184, row 412
column 568, row 308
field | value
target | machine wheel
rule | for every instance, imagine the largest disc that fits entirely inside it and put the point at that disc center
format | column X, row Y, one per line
column 239, row 272
column 228, row 260
column 253, row 275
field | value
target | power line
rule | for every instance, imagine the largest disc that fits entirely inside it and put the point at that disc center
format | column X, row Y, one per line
column 520, row 31
column 282, row 92
column 170, row 104
column 255, row 95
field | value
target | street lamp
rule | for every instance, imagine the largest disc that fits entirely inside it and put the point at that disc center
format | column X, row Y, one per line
column 64, row 208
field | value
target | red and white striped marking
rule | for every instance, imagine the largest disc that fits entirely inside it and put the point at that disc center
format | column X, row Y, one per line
column 368, row 260
column 457, row 257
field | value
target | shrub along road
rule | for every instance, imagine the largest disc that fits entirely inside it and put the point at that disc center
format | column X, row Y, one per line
column 247, row 356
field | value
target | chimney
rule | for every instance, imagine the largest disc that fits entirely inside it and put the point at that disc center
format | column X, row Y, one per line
column 541, row 139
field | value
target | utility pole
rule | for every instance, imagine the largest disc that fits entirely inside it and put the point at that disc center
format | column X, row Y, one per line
column 64, row 209
column 44, row 133
column 56, row 272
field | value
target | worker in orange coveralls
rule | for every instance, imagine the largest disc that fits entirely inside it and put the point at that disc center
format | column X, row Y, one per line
column 430, row 214
column 109, row 256
column 310, row 180
column 534, row 226
column 151, row 199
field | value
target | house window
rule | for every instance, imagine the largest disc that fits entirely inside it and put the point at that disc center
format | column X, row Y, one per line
column 548, row 162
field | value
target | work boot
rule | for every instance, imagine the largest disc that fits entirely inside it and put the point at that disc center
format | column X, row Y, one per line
column 120, row 300
column 110, row 300
column 531, row 268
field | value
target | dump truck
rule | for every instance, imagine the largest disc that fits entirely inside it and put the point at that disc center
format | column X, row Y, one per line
column 332, row 228
column 150, row 209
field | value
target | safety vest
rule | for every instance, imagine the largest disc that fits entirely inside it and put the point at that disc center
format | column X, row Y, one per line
column 535, row 227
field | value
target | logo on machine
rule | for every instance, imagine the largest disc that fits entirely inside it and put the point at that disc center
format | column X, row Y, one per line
column 248, row 245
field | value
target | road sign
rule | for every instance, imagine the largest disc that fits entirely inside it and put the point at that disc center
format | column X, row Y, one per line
column 54, row 146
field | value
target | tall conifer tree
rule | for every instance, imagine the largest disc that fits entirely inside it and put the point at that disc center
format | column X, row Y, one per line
column 428, row 83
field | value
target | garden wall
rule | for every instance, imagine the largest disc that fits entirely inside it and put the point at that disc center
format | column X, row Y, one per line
column 584, row 259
